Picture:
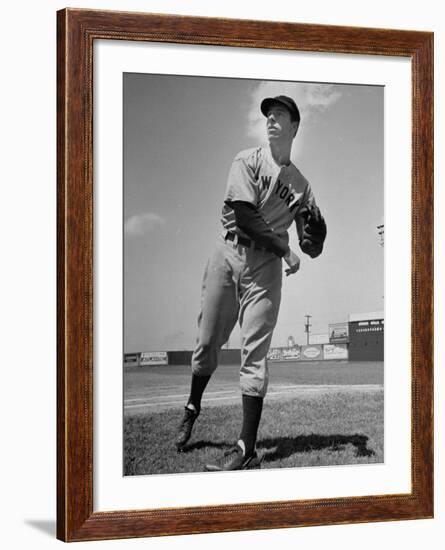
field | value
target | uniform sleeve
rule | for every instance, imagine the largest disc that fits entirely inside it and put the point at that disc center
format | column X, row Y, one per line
column 308, row 200
column 250, row 221
column 242, row 185
column 299, row 224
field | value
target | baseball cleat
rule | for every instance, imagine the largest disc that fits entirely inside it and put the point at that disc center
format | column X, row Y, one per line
column 185, row 428
column 233, row 459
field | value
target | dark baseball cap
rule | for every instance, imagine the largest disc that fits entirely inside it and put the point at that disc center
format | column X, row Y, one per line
column 284, row 101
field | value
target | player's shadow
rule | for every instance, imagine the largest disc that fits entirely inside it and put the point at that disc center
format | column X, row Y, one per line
column 284, row 447
column 198, row 445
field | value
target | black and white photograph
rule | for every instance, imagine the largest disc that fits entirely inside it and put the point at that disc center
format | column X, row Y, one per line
column 253, row 276
column 124, row 127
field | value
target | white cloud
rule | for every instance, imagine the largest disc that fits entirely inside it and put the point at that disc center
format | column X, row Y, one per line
column 141, row 224
column 311, row 99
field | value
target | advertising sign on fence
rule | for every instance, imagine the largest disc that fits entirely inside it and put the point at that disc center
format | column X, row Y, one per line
column 284, row 354
column 335, row 351
column 150, row 358
column 274, row 354
column 312, row 352
column 338, row 333
column 291, row 354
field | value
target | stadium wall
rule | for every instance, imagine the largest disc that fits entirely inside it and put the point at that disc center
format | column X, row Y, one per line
column 230, row 356
column 366, row 340
column 179, row 357
column 131, row 359
column 183, row 357
column 315, row 352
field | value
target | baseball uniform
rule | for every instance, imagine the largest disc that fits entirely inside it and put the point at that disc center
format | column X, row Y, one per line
column 244, row 282
column 242, row 279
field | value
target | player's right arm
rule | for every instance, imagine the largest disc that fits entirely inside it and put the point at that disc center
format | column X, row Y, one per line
column 252, row 223
column 242, row 196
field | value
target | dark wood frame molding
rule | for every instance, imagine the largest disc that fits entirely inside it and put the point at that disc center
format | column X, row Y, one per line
column 76, row 32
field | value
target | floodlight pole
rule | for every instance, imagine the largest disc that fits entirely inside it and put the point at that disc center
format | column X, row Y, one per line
column 381, row 232
column 307, row 327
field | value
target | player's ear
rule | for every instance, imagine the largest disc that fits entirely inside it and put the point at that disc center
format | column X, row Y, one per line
column 296, row 126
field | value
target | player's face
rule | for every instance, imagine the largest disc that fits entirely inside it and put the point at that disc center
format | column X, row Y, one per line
column 279, row 124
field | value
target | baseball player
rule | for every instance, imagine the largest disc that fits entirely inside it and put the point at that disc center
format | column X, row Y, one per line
column 265, row 194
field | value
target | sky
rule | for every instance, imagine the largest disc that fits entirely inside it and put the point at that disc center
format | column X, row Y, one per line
column 181, row 134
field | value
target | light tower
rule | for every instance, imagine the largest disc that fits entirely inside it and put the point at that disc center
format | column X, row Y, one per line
column 307, row 327
column 381, row 232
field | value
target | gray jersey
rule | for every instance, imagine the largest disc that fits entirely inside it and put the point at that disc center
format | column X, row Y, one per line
column 280, row 193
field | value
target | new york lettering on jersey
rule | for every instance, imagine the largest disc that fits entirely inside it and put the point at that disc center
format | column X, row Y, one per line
column 277, row 191
column 283, row 190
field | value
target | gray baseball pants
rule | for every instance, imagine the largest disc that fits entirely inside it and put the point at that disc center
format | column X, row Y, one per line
column 242, row 284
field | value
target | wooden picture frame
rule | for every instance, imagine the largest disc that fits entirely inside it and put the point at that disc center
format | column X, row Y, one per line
column 76, row 32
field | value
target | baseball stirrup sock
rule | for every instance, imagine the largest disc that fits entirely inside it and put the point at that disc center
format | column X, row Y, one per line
column 252, row 408
column 198, row 386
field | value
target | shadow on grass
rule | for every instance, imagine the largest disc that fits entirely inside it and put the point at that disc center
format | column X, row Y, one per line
column 287, row 446
column 198, row 445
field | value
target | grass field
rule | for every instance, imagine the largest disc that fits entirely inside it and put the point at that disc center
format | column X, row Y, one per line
column 315, row 414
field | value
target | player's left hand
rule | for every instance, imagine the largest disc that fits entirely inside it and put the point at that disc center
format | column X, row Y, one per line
column 314, row 232
column 293, row 261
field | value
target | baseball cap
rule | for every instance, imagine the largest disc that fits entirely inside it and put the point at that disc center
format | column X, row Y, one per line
column 283, row 100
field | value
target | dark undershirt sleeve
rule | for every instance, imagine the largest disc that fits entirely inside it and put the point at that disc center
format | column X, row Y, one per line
column 250, row 221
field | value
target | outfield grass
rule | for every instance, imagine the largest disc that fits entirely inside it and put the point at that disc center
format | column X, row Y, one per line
column 322, row 429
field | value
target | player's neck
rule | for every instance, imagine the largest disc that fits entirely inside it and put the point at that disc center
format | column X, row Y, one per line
column 280, row 152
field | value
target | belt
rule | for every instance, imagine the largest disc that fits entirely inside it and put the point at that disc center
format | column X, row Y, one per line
column 230, row 236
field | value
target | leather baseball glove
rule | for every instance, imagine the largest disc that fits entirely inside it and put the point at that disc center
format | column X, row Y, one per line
column 314, row 232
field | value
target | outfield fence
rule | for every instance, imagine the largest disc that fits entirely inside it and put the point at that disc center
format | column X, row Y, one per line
column 315, row 352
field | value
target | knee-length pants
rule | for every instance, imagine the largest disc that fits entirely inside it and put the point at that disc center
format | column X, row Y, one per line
column 242, row 284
